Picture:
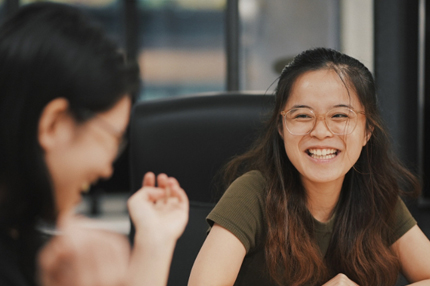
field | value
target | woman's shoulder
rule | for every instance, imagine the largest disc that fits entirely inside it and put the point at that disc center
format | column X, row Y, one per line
column 250, row 181
column 246, row 189
column 241, row 209
column 254, row 174
column 403, row 220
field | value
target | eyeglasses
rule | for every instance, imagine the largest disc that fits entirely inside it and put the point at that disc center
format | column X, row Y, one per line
column 302, row 120
column 85, row 114
column 119, row 136
column 114, row 132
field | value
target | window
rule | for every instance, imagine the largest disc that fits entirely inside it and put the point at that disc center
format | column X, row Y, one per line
column 181, row 47
column 274, row 31
column 108, row 13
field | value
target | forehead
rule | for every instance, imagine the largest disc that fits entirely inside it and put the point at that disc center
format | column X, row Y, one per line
column 322, row 89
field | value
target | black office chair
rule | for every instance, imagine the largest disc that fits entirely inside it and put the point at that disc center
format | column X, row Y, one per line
column 191, row 138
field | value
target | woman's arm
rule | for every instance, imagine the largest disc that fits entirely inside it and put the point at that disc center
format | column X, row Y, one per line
column 413, row 250
column 219, row 259
column 159, row 215
column 87, row 257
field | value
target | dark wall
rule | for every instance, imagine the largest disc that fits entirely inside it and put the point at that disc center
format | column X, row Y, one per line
column 396, row 73
column 426, row 103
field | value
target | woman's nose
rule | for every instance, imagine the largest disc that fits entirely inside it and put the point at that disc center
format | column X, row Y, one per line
column 321, row 129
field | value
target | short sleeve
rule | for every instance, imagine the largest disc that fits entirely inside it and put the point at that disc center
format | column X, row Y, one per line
column 241, row 209
column 403, row 220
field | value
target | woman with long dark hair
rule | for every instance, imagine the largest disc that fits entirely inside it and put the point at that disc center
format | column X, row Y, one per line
column 65, row 99
column 317, row 199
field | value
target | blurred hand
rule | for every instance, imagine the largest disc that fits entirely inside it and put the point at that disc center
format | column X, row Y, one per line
column 83, row 256
column 159, row 212
column 340, row 279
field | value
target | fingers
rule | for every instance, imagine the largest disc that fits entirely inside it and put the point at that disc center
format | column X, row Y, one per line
column 177, row 191
column 148, row 180
column 167, row 187
column 145, row 195
column 172, row 188
column 153, row 194
column 162, row 181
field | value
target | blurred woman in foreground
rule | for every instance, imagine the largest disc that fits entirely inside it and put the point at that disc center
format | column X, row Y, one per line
column 65, row 98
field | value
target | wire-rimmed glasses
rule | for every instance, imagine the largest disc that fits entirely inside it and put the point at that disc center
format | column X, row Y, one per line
column 302, row 120
column 104, row 124
column 115, row 133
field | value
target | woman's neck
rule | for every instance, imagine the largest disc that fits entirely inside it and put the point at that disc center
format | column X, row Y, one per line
column 322, row 198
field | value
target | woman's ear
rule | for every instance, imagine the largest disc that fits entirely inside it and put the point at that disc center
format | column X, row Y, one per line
column 54, row 124
column 281, row 130
column 369, row 132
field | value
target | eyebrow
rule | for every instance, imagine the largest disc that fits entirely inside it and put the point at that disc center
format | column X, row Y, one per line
column 301, row 106
column 307, row 106
column 344, row 105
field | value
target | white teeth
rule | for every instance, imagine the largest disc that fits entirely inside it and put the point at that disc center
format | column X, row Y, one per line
column 322, row 153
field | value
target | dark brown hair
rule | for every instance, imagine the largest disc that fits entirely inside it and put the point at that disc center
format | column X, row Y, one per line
column 360, row 243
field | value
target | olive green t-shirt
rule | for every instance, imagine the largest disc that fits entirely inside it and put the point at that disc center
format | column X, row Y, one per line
column 241, row 211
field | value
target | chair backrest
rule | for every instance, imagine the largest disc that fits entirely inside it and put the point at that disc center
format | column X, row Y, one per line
column 191, row 138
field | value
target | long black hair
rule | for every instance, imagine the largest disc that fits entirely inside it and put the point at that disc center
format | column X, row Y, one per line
column 49, row 51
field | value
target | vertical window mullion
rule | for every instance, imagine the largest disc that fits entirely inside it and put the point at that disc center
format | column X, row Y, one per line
column 232, row 34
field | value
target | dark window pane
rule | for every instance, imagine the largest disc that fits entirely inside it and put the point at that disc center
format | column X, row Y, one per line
column 108, row 13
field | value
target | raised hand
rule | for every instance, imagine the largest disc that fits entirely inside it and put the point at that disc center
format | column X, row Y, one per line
column 159, row 215
column 161, row 210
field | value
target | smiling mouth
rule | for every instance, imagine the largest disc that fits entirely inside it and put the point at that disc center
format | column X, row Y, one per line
column 322, row 154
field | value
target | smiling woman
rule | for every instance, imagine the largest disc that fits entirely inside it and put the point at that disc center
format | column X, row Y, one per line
column 86, row 151
column 323, row 91
column 65, row 99
column 317, row 199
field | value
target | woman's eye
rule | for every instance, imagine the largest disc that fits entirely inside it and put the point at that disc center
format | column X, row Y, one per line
column 340, row 116
column 302, row 116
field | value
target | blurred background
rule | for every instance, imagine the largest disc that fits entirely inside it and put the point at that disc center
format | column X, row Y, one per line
column 194, row 46
column 181, row 44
